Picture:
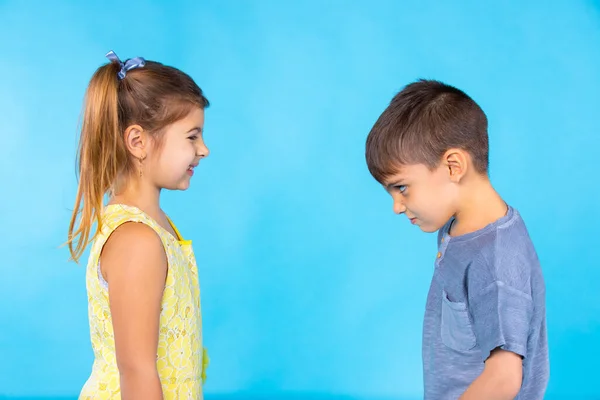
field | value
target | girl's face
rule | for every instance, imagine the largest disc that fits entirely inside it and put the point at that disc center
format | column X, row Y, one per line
column 182, row 148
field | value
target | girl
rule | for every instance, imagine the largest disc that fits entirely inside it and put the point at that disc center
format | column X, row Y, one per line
column 141, row 133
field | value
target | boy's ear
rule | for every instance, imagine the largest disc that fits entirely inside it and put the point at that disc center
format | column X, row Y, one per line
column 457, row 162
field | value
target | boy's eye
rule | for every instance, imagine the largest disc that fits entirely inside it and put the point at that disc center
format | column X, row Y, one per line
column 401, row 188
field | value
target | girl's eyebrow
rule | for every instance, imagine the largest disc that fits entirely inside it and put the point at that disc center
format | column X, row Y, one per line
column 196, row 128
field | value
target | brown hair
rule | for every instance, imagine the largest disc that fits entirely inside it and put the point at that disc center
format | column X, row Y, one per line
column 421, row 123
column 153, row 96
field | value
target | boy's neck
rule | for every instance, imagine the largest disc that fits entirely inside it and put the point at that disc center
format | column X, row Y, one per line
column 480, row 206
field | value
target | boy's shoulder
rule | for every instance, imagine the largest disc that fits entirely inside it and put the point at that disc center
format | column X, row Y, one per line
column 501, row 252
column 508, row 243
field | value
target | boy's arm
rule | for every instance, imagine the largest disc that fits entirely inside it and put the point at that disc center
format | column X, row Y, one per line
column 501, row 378
column 501, row 315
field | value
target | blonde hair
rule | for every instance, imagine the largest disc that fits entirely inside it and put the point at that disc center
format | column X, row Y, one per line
column 153, row 97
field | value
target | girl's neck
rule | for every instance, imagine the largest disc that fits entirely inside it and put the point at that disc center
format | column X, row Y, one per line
column 139, row 194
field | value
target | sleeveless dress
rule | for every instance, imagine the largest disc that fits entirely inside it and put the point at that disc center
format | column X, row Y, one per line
column 181, row 359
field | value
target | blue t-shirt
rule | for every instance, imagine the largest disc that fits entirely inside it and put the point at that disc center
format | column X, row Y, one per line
column 487, row 291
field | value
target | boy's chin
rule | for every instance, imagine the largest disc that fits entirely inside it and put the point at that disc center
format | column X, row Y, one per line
column 427, row 228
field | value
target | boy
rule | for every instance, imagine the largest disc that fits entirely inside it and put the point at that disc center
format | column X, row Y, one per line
column 484, row 331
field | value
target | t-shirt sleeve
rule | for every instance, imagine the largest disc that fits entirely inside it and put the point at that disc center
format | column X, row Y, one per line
column 501, row 317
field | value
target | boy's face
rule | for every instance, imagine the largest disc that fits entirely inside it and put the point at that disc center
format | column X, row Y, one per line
column 428, row 198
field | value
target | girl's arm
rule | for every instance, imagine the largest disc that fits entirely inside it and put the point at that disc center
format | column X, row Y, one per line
column 134, row 264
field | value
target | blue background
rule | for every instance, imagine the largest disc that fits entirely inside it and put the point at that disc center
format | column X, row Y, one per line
column 311, row 286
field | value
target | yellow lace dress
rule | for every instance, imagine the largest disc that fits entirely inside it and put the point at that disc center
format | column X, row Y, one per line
column 181, row 359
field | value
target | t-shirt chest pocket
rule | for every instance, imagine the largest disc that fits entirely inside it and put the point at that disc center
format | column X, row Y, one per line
column 456, row 330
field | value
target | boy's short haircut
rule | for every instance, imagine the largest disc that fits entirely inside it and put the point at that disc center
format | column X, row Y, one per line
column 421, row 123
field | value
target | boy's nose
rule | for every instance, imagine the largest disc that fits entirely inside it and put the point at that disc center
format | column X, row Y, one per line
column 399, row 207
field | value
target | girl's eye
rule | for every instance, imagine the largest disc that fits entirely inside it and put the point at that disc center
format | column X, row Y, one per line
column 193, row 137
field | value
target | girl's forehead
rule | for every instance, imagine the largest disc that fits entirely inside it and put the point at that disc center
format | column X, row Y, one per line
column 193, row 121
